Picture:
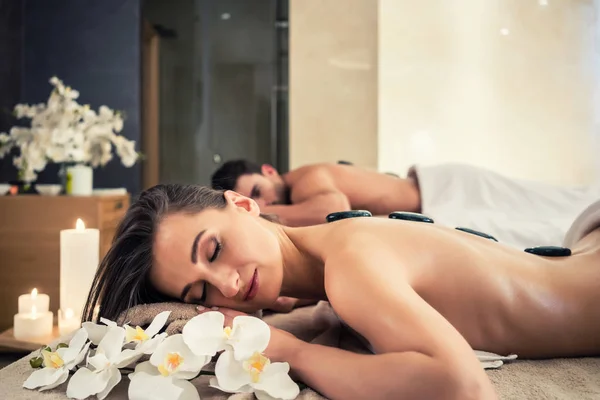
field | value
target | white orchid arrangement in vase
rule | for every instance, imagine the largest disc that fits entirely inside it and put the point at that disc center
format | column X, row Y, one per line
column 164, row 365
column 65, row 132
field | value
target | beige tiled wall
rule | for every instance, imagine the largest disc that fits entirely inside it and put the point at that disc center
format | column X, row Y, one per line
column 507, row 84
column 333, row 81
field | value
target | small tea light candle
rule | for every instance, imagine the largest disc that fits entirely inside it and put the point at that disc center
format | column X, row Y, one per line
column 28, row 301
column 32, row 325
column 67, row 322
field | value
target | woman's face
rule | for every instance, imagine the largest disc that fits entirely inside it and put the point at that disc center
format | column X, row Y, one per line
column 219, row 257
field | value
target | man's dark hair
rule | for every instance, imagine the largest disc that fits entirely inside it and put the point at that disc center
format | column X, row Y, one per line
column 225, row 178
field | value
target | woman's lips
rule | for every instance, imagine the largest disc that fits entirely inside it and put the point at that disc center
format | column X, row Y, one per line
column 253, row 289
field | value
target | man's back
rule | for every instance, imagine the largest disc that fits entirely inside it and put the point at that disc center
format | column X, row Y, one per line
column 365, row 189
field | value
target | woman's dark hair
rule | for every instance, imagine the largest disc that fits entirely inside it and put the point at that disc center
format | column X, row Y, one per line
column 122, row 279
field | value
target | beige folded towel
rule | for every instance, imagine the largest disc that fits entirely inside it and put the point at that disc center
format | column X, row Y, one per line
column 143, row 314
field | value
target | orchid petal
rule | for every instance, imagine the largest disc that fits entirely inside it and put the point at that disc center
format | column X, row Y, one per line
column 149, row 346
column 112, row 343
column 108, row 322
column 96, row 332
column 145, row 367
column 126, row 357
column 191, row 363
column 44, row 377
column 61, row 379
column 276, row 382
column 113, row 379
column 260, row 395
column 99, row 361
column 79, row 358
column 214, row 382
column 85, row 383
column 74, row 356
column 204, row 333
column 230, row 374
column 144, row 386
column 78, row 340
column 157, row 323
column 188, row 390
column 249, row 335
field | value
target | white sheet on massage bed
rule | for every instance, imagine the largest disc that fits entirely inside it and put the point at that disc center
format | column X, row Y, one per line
column 516, row 212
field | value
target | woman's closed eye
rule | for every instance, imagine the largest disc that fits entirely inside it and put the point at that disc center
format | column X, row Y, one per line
column 204, row 290
column 217, row 250
column 201, row 299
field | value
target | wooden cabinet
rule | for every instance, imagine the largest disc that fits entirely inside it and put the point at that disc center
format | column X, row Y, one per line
column 30, row 241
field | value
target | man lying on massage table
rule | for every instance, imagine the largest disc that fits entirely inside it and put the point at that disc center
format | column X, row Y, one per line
column 423, row 295
column 518, row 213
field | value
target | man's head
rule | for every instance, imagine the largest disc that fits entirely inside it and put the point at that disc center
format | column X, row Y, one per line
column 259, row 182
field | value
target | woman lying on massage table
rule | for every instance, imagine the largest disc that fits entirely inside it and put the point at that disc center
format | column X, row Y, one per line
column 423, row 295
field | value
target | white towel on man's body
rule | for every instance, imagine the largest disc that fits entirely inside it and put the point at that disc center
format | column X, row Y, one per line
column 516, row 212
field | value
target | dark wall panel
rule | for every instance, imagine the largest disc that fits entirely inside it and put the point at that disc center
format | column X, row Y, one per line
column 93, row 46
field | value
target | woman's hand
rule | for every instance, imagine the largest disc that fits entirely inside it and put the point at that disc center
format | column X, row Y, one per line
column 282, row 344
column 284, row 304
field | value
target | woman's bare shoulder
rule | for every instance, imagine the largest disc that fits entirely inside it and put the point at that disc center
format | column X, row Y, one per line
column 357, row 248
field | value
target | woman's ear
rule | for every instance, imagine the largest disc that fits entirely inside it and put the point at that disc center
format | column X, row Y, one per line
column 239, row 201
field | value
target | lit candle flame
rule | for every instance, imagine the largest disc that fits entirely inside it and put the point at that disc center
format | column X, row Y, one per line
column 79, row 225
column 33, row 311
column 69, row 313
column 34, row 293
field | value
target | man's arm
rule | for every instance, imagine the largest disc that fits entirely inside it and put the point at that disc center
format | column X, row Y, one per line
column 312, row 211
column 314, row 196
column 419, row 354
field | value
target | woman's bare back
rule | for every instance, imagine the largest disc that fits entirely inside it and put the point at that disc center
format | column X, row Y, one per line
column 499, row 299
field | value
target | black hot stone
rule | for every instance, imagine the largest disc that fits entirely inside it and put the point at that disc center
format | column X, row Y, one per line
column 549, row 251
column 474, row 232
column 336, row 216
column 409, row 216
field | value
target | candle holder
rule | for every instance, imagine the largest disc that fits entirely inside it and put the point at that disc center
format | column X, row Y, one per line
column 33, row 319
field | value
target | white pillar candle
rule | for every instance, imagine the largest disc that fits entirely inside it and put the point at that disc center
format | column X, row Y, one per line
column 79, row 258
column 80, row 180
column 40, row 301
column 31, row 325
column 67, row 322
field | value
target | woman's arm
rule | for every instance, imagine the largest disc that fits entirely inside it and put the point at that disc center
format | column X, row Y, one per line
column 419, row 353
column 340, row 374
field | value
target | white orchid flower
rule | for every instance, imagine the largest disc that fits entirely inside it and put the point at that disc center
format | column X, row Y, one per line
column 147, row 340
column 205, row 335
column 96, row 332
column 58, row 363
column 107, row 360
column 118, row 123
column 256, row 374
column 125, row 150
column 167, row 373
column 105, row 113
column 147, row 383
